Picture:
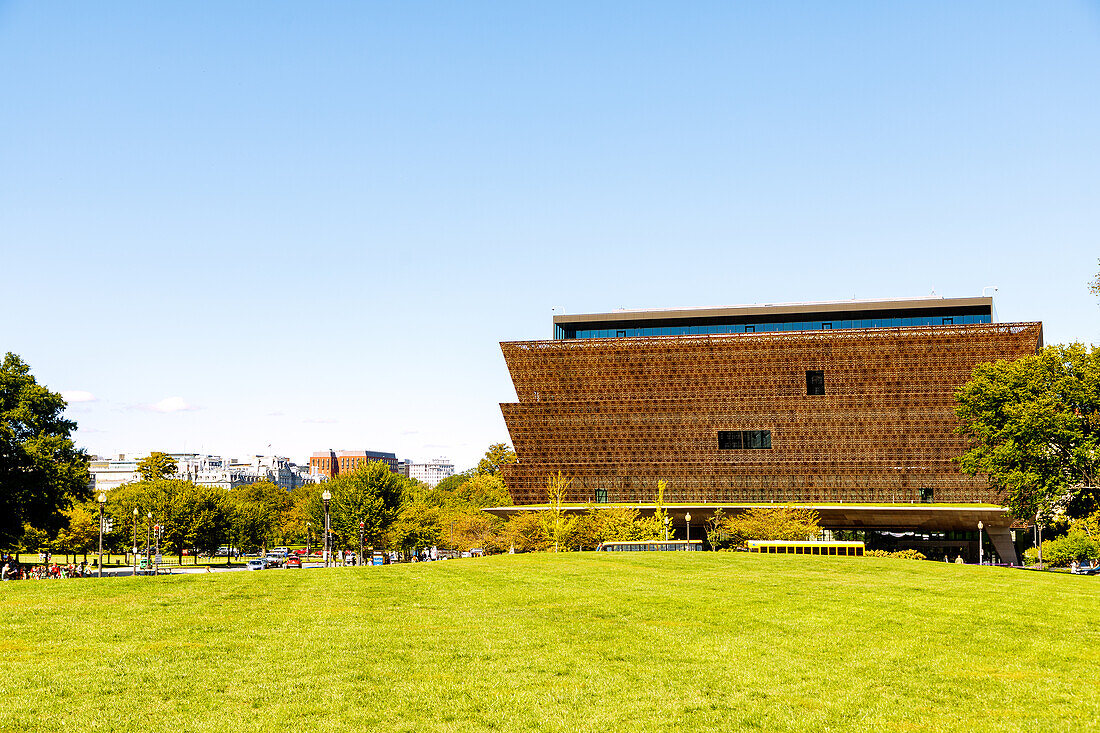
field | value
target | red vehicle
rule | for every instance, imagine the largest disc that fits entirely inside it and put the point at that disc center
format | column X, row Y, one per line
column 294, row 562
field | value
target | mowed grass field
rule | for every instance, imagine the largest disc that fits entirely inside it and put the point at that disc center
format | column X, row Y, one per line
column 628, row 642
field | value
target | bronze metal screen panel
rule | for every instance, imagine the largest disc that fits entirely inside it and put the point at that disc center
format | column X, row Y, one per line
column 619, row 414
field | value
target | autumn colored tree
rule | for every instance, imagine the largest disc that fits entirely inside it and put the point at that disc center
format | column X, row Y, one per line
column 773, row 523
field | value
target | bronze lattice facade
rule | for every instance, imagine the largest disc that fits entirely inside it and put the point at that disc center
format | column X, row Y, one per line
column 848, row 414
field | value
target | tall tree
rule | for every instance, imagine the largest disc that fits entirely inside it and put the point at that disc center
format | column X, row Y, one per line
column 559, row 525
column 41, row 470
column 1034, row 430
column 157, row 465
column 498, row 456
column 258, row 513
column 82, row 533
column 371, row 495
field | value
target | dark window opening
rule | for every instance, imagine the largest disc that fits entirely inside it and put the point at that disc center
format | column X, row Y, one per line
column 948, row 321
column 926, row 495
column 750, row 329
column 827, row 326
column 619, row 334
column 601, row 496
column 815, row 381
column 744, row 439
column 729, row 439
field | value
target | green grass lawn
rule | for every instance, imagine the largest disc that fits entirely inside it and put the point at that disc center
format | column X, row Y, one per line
column 627, row 642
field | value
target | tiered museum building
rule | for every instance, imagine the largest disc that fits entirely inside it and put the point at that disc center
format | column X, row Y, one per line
column 846, row 406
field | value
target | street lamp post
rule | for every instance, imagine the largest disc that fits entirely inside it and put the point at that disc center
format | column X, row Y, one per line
column 360, row 543
column 687, row 519
column 667, row 520
column 326, row 496
column 1039, row 538
column 135, row 540
column 102, row 501
column 148, row 538
column 980, row 526
column 309, row 531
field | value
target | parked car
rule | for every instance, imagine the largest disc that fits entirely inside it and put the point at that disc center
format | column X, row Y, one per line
column 256, row 564
column 274, row 561
column 294, row 562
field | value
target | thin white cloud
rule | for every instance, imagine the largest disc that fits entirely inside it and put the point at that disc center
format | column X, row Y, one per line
column 77, row 395
column 322, row 420
column 172, row 404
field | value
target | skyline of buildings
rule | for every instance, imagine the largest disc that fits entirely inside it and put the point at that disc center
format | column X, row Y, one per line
column 229, row 473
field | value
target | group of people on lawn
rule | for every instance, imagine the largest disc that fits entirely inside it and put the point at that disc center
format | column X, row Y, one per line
column 12, row 570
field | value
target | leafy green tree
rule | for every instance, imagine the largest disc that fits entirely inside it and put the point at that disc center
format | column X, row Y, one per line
column 526, row 532
column 41, row 470
column 717, row 534
column 418, row 525
column 209, row 512
column 372, row 495
column 1075, row 545
column 483, row 490
column 559, row 525
column 1033, row 425
column 157, row 465
column 82, row 533
column 33, row 539
column 451, row 484
column 257, row 513
column 498, row 456
column 773, row 523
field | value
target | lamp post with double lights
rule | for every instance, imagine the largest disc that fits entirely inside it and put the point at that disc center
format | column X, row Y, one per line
column 980, row 526
column 135, row 540
column 102, row 500
column 687, row 520
column 326, row 497
column 361, row 546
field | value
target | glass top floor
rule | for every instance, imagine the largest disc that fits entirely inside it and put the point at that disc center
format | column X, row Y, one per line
column 760, row 323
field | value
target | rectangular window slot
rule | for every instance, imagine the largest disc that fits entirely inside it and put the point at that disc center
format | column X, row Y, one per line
column 948, row 321
column 601, row 496
column 620, row 334
column 826, row 326
column 815, row 381
column 926, row 495
column 744, row 439
column 750, row 329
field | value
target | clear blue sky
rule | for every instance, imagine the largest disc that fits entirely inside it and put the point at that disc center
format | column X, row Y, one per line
column 314, row 222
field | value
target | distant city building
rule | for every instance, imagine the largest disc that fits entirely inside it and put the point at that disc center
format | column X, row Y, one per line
column 203, row 470
column 329, row 464
column 431, row 472
column 110, row 473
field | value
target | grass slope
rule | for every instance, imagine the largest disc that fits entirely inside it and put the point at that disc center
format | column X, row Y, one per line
column 576, row 642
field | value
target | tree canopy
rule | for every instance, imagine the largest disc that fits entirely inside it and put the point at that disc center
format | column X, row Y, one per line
column 1034, row 428
column 498, row 456
column 371, row 495
column 157, row 465
column 41, row 469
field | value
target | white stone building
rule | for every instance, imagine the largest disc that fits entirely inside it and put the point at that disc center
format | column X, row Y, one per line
column 431, row 472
